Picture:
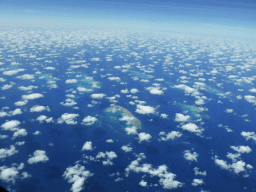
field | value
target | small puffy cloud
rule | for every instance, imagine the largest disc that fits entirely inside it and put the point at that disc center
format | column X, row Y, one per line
column 109, row 141
column 3, row 114
column 250, row 99
column 82, row 89
column 191, row 127
column 197, row 182
column 39, row 156
column 77, row 175
column 26, row 77
column 21, row 103
column 144, row 137
column 141, row 109
column 32, row 96
column 28, row 88
column 181, row 118
column 89, row 120
column 98, row 95
column 20, row 143
column 160, row 79
column 131, row 130
column 124, row 91
column 164, row 116
column 199, row 102
column 68, row 118
column 190, row 156
column 114, row 78
column 238, row 166
column 10, row 125
column 37, row 133
column 156, row 91
column 229, row 110
column 242, row 149
column 249, row 135
column 126, row 148
column 253, row 90
column 12, row 72
column 197, row 172
column 8, row 174
column 20, row 133
column 143, row 183
column 49, row 68
column 223, row 164
column 172, row 135
column 41, row 118
column 7, row 152
column 68, row 81
column 87, row 146
column 39, row 108
column 16, row 112
column 95, row 59
column 134, row 90
column 5, row 87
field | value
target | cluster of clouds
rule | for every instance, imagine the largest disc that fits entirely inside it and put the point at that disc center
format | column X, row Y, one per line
column 237, row 164
column 166, row 178
column 77, row 175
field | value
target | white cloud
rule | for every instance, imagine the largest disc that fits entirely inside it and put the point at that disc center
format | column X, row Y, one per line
column 197, row 182
column 109, row 141
column 77, row 175
column 145, row 109
column 19, row 133
column 11, row 125
column 3, row 114
column 50, row 68
column 114, row 78
column 250, row 99
column 229, row 110
column 98, row 95
column 8, row 152
column 124, row 91
column 143, row 183
column 5, row 87
column 9, row 174
column 197, row 172
column 28, row 88
column 238, row 166
column 172, row 135
column 39, row 108
column 37, row 133
column 190, row 156
column 191, row 127
column 89, row 120
column 68, row 118
column 249, row 135
column 144, row 137
column 156, row 91
column 82, row 89
column 16, row 112
column 26, row 77
column 131, row 130
column 242, row 149
column 134, row 90
column 32, row 96
column 223, row 164
column 253, row 90
column 21, row 103
column 181, row 118
column 71, row 81
column 126, row 148
column 87, row 146
column 164, row 116
column 39, row 156
column 12, row 72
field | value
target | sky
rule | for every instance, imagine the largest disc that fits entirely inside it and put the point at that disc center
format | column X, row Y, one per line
column 214, row 17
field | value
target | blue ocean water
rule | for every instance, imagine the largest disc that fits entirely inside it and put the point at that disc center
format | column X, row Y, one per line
column 146, row 55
